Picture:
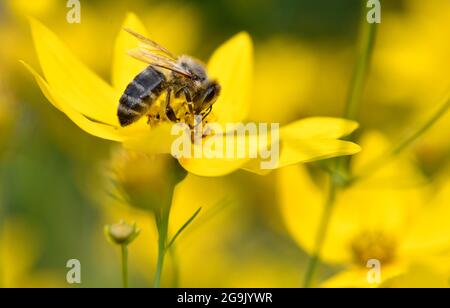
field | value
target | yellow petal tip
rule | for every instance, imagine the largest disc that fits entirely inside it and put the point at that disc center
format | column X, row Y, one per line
column 130, row 20
column 243, row 39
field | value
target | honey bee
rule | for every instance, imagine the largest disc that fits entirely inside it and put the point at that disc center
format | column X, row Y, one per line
column 182, row 77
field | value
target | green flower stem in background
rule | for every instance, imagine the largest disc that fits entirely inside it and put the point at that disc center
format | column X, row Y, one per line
column 125, row 266
column 356, row 89
column 186, row 224
column 162, row 222
column 352, row 107
column 122, row 234
column 368, row 35
column 406, row 142
column 1, row 263
column 321, row 233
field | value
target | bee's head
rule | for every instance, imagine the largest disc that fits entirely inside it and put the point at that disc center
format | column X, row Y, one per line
column 204, row 90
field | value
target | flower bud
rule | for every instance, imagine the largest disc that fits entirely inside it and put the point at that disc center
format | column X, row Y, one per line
column 146, row 181
column 121, row 233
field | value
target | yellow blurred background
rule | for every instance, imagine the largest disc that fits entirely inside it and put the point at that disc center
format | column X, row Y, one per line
column 55, row 196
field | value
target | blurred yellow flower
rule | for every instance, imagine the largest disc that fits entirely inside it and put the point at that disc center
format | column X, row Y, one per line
column 285, row 58
column 383, row 217
column 214, row 195
column 91, row 103
column 7, row 115
column 411, row 58
column 142, row 180
column 208, row 248
column 27, row 8
column 411, row 66
column 423, row 275
column 18, row 254
column 306, row 78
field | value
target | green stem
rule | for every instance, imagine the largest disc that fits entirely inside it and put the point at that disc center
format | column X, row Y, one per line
column 160, row 262
column 352, row 106
column 405, row 143
column 3, row 216
column 356, row 88
column 124, row 249
column 321, row 234
column 163, row 226
column 176, row 269
column 367, row 39
column 2, row 274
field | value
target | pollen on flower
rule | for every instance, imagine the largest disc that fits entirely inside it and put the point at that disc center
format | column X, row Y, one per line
column 373, row 245
column 182, row 112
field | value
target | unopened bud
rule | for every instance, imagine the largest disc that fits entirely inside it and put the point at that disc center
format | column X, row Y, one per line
column 121, row 233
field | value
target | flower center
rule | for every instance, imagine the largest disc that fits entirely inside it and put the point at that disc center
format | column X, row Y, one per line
column 373, row 245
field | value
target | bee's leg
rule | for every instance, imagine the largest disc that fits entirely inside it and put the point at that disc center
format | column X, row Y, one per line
column 170, row 114
column 188, row 98
column 187, row 95
column 206, row 114
column 168, row 97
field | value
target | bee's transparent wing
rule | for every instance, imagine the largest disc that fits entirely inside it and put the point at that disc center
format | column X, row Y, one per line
column 157, row 60
column 150, row 45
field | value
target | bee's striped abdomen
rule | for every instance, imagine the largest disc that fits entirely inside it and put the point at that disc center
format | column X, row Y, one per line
column 139, row 95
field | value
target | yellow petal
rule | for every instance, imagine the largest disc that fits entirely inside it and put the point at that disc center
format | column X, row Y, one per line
column 217, row 158
column 297, row 151
column 125, row 68
column 160, row 140
column 300, row 202
column 357, row 277
column 232, row 65
column 356, row 211
column 190, row 195
column 376, row 145
column 211, row 167
column 318, row 127
column 157, row 140
column 83, row 90
column 311, row 139
column 301, row 151
column 419, row 275
column 314, row 139
column 59, row 100
column 431, row 231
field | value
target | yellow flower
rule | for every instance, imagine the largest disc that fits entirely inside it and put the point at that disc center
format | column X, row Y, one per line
column 23, row 7
column 384, row 217
column 301, row 67
column 411, row 65
column 144, row 181
column 18, row 254
column 411, row 59
column 7, row 114
column 201, row 256
column 91, row 103
column 215, row 196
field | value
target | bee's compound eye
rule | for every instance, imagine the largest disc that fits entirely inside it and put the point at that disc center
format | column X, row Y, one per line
column 211, row 93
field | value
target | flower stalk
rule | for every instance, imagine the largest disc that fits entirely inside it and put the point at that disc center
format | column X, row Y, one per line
column 356, row 90
column 321, row 233
column 162, row 222
column 125, row 266
column 340, row 173
column 406, row 142
column 122, row 234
